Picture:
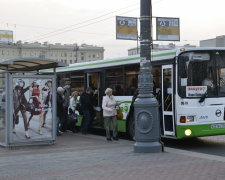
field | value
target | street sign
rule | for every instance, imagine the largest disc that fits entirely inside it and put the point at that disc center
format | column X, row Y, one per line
column 6, row 36
column 126, row 28
column 167, row 29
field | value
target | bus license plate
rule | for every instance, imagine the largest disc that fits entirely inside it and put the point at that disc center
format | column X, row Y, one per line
column 217, row 126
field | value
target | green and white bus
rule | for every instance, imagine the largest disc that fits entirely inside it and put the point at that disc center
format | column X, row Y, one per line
column 188, row 83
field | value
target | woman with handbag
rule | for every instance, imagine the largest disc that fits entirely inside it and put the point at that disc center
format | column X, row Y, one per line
column 72, row 111
column 110, row 114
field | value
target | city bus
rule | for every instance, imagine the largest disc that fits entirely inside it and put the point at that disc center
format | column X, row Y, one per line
column 189, row 85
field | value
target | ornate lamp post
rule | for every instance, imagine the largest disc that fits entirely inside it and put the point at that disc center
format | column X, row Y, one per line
column 147, row 126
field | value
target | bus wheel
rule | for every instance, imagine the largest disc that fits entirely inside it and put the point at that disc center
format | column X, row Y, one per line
column 131, row 128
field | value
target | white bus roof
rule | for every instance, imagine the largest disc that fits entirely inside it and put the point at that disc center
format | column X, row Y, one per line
column 156, row 56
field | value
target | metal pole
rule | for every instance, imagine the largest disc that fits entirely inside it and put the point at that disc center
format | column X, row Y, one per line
column 146, row 113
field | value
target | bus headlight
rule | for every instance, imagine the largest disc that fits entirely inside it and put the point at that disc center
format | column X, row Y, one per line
column 187, row 132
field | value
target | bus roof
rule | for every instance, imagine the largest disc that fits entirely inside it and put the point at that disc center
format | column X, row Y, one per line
column 156, row 56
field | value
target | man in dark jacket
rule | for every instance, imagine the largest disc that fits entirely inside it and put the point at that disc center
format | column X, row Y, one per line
column 87, row 108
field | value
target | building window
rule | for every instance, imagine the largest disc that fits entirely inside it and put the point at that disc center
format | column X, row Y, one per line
column 71, row 61
column 93, row 55
column 82, row 58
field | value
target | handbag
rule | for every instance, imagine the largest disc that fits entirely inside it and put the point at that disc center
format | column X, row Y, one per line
column 73, row 117
column 30, row 107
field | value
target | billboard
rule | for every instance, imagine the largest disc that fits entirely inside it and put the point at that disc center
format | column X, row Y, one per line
column 32, row 109
column 167, row 29
column 126, row 28
column 6, row 36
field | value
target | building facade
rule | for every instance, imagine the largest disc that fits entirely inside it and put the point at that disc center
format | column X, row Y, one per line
column 67, row 53
column 219, row 41
column 157, row 47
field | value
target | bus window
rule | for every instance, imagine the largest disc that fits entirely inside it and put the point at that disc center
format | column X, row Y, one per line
column 204, row 70
column 77, row 82
column 114, row 80
column 156, row 72
column 131, row 79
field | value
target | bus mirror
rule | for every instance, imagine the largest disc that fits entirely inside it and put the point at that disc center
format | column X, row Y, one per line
column 182, row 66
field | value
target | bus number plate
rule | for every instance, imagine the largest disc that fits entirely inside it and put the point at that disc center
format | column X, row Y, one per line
column 214, row 126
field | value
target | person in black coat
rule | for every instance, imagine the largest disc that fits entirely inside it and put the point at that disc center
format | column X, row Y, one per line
column 87, row 108
column 60, row 101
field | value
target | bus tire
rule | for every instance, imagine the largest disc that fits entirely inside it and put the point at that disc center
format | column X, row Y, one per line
column 131, row 128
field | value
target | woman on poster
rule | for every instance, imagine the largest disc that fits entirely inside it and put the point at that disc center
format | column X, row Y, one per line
column 20, row 104
column 35, row 97
column 46, row 100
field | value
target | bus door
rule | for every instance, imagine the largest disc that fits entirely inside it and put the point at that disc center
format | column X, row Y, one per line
column 167, row 100
column 94, row 80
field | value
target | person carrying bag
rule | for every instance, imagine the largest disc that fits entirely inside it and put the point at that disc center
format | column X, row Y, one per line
column 72, row 112
column 110, row 114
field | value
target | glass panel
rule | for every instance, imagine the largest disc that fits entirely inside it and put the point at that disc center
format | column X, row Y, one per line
column 77, row 82
column 168, row 122
column 2, row 107
column 114, row 80
column 167, row 89
column 131, row 79
column 202, row 73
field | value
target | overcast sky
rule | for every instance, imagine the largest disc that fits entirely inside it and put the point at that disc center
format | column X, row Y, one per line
column 93, row 21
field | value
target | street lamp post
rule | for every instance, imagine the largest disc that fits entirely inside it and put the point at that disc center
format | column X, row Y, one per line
column 147, row 126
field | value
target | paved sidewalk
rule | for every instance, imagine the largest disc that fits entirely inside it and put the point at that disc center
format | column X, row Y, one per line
column 90, row 157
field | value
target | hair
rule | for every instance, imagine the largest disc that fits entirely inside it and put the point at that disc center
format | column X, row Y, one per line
column 108, row 90
column 60, row 90
column 89, row 89
column 49, row 81
column 75, row 94
column 35, row 83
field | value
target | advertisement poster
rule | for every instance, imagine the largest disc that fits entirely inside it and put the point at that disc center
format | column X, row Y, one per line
column 126, row 28
column 32, row 109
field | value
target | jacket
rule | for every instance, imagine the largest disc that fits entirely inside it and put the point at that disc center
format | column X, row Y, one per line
column 86, row 102
column 109, row 106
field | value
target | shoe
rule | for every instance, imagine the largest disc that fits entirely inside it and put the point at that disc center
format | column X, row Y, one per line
column 115, row 138
column 27, row 135
column 14, row 131
column 60, row 132
column 40, row 132
column 43, row 125
column 108, row 139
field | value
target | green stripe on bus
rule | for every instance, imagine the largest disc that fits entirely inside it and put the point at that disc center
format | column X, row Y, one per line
column 114, row 61
column 98, row 63
column 199, row 130
column 164, row 54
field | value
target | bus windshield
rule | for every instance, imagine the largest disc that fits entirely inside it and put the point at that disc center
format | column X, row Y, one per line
column 201, row 73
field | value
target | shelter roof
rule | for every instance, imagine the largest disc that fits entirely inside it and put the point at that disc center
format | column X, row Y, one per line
column 30, row 64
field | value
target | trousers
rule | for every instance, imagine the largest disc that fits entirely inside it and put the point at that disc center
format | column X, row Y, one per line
column 108, row 120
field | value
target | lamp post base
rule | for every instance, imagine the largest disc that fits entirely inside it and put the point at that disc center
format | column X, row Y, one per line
column 148, row 147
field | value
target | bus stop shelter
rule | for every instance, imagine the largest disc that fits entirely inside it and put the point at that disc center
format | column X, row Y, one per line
column 28, row 101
